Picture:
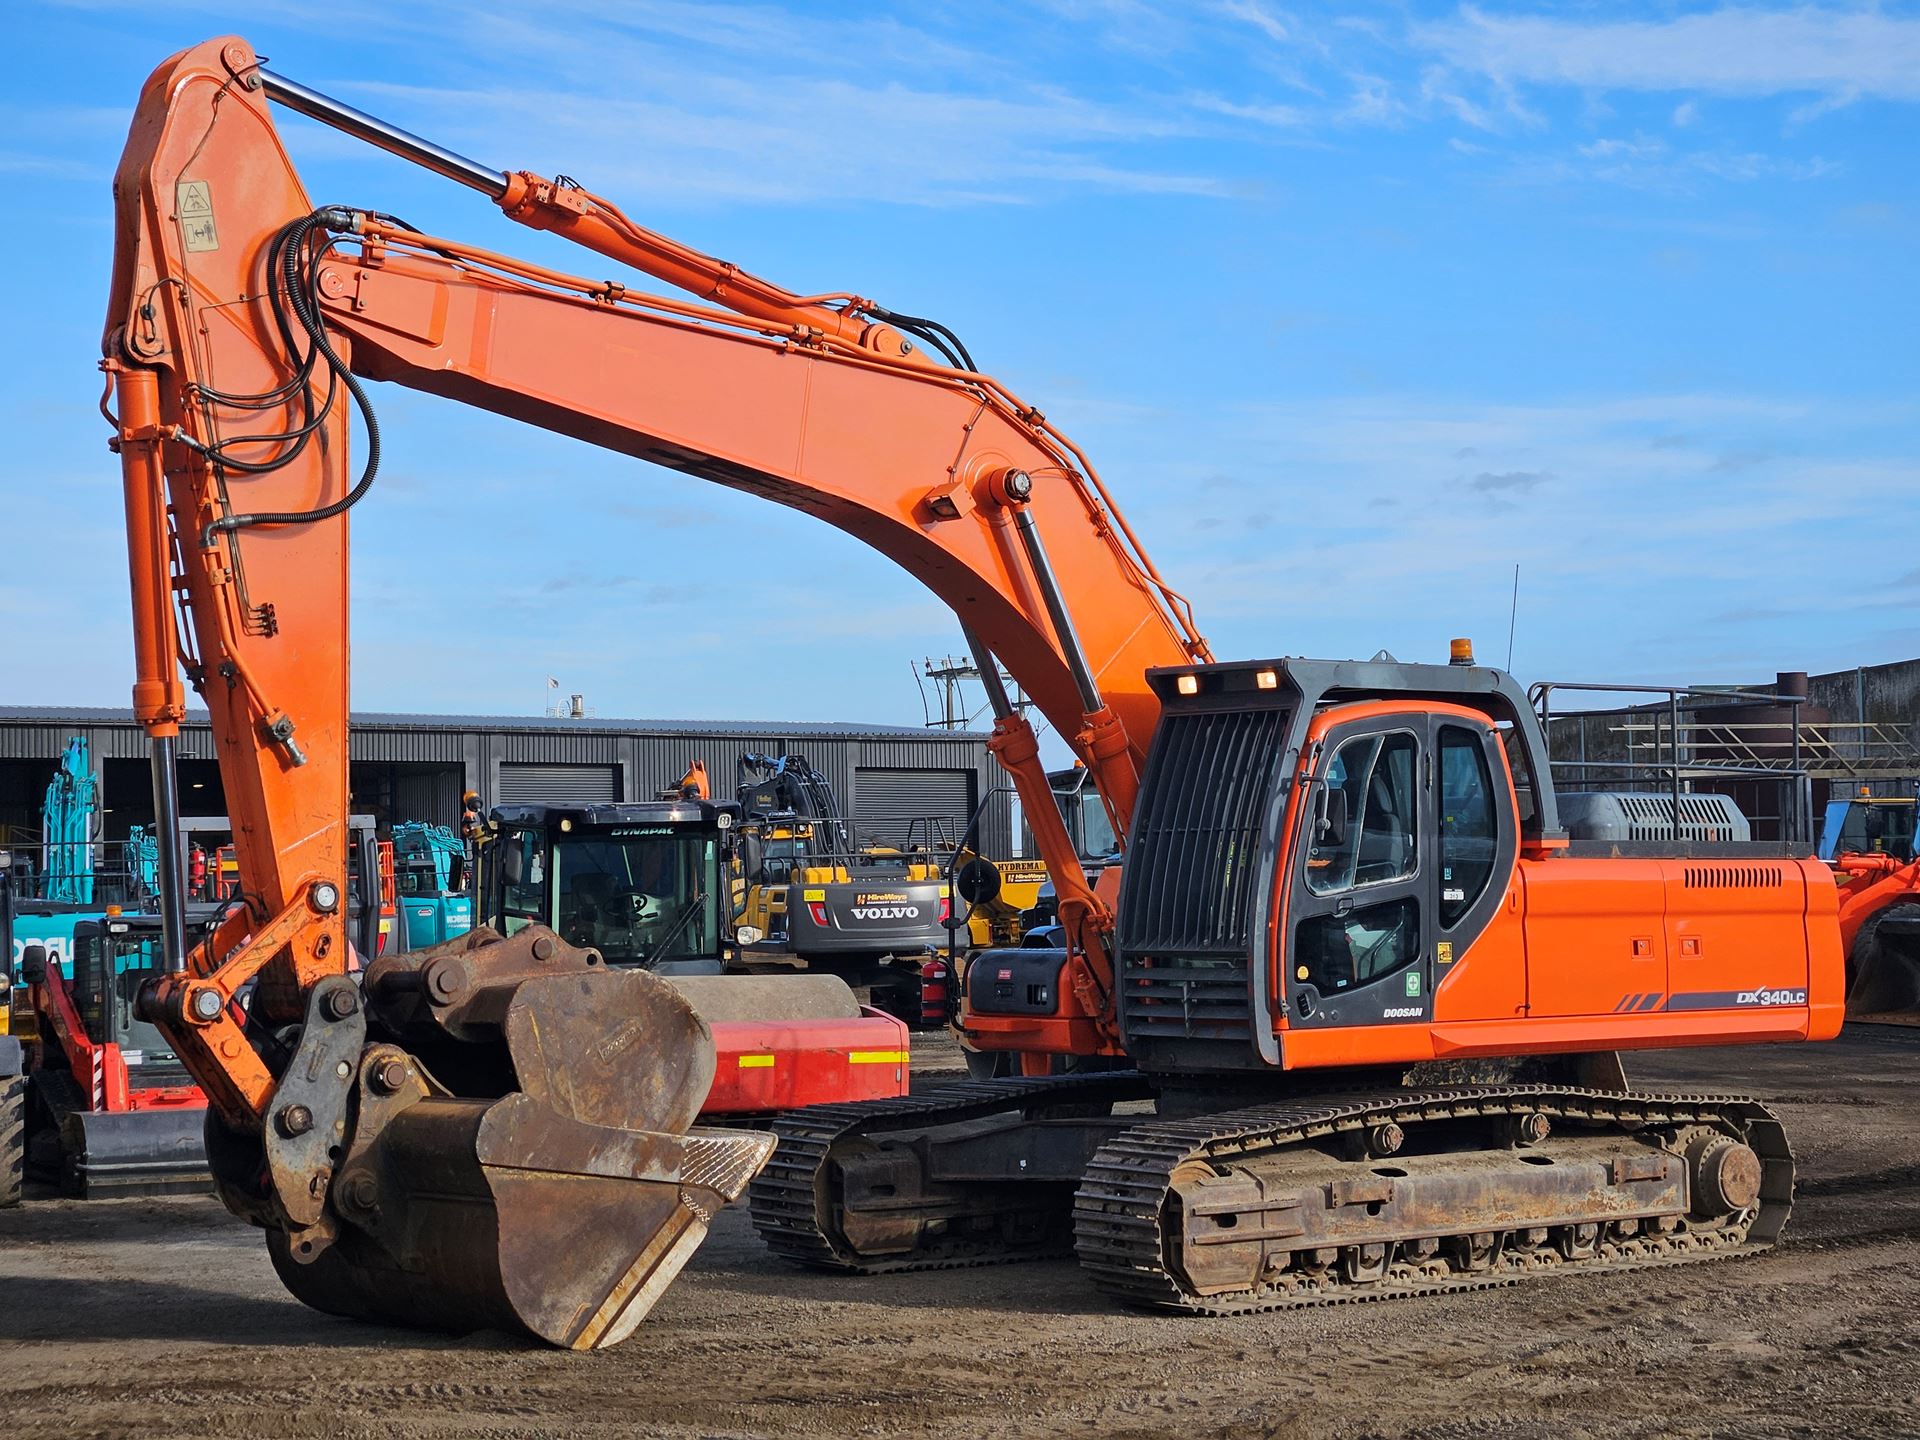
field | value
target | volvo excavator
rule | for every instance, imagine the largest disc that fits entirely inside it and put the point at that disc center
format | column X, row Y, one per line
column 1339, row 1027
column 820, row 897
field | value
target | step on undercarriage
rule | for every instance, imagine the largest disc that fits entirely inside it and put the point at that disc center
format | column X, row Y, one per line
column 1314, row 1200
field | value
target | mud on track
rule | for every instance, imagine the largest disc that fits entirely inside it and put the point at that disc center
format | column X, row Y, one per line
column 159, row 1318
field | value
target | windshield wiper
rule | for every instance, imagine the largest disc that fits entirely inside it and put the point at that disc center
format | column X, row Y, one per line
column 664, row 943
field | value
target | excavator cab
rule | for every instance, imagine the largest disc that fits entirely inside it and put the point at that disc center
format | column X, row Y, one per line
column 642, row 883
column 1870, row 825
column 1086, row 815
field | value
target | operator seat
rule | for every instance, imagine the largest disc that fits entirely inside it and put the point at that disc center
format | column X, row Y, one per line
column 591, row 904
column 1383, row 831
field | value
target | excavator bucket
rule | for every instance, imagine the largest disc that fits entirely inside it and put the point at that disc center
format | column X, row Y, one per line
column 520, row 1145
column 1883, row 971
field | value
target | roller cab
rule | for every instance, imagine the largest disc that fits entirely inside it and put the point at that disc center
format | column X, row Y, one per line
column 111, row 1110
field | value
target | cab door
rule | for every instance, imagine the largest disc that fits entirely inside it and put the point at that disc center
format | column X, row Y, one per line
column 1361, row 907
column 1479, row 939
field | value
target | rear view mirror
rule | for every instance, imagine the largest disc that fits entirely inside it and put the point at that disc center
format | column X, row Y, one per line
column 513, row 864
column 978, row 881
column 33, row 964
column 1333, row 816
column 753, row 857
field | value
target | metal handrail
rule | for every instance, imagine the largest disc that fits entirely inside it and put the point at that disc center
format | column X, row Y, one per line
column 1680, row 699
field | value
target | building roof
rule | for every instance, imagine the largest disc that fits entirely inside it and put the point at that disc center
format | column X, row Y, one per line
column 59, row 715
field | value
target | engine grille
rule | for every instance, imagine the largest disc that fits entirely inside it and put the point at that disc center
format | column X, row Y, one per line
column 1190, row 890
column 1191, row 860
column 1734, row 877
column 1702, row 817
column 1188, row 999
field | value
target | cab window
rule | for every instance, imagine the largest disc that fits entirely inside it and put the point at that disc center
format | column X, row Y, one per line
column 1469, row 836
column 1352, row 948
column 523, row 877
column 1377, row 774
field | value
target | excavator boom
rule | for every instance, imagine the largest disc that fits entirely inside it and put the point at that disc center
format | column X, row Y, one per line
column 497, row 1130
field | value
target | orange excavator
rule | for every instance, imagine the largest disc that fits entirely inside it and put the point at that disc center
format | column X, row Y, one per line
column 1369, row 984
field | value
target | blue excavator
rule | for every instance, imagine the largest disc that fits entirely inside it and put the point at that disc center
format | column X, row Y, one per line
column 431, row 872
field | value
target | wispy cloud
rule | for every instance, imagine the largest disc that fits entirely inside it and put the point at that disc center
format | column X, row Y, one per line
column 1259, row 16
column 1488, row 482
column 710, row 138
column 1732, row 50
column 1281, row 116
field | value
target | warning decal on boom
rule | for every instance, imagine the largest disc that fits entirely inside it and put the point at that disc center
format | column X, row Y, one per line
column 193, row 206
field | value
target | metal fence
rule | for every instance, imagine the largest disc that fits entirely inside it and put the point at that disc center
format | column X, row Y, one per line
column 1664, row 746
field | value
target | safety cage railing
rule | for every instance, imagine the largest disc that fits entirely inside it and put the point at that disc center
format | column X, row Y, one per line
column 1750, row 746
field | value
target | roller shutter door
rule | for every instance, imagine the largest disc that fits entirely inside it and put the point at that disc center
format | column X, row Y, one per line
column 433, row 796
column 522, row 784
column 887, row 804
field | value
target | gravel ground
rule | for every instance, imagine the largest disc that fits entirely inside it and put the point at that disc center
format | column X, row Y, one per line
column 163, row 1317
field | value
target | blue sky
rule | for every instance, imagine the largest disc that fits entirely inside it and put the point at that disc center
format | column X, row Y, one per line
column 1355, row 310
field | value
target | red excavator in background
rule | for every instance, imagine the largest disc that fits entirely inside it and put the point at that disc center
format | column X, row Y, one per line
column 1341, row 880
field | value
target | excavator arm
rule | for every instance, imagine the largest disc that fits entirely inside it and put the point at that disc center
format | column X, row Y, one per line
column 242, row 324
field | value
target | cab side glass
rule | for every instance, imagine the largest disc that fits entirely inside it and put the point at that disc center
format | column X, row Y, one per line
column 523, row 872
column 1469, row 833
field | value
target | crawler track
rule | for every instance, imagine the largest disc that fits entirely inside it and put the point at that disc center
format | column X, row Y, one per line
column 791, row 1200
column 1126, row 1215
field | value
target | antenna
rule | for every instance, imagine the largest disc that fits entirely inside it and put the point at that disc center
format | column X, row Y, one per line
column 1513, row 615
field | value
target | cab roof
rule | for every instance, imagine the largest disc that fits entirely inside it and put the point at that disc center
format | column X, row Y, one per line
column 633, row 812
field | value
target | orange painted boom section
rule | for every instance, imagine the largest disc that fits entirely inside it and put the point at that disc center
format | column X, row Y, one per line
column 233, row 336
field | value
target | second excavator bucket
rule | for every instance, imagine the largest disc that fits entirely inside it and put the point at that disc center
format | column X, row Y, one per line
column 519, row 1145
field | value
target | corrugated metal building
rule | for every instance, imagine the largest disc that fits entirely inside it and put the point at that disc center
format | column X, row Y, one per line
column 414, row 767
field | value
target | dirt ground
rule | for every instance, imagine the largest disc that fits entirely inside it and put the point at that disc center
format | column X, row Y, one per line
column 158, row 1318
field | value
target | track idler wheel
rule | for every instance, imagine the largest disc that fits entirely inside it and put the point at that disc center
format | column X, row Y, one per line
column 519, row 1147
column 1724, row 1176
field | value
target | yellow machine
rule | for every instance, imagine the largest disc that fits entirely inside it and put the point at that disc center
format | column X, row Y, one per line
column 809, row 896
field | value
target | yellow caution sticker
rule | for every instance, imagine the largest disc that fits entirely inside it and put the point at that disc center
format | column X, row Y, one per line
column 193, row 204
column 878, row 1057
column 813, row 895
column 756, row 1062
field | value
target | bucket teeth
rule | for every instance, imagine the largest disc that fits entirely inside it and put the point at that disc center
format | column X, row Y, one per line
column 521, row 1154
column 715, row 1161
